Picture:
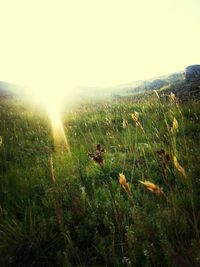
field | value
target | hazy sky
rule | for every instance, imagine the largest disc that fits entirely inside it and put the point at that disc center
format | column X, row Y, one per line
column 96, row 42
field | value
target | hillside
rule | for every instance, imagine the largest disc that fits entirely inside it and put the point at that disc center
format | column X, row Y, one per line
column 184, row 83
column 123, row 192
column 8, row 90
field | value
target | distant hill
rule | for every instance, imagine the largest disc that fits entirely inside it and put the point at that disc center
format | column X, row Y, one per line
column 186, row 84
column 131, row 88
column 9, row 90
column 153, row 84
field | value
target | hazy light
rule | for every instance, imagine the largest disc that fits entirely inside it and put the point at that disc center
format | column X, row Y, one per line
column 96, row 43
column 60, row 139
column 65, row 43
column 52, row 99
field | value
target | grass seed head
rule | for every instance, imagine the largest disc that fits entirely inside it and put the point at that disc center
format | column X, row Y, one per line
column 175, row 125
column 124, row 123
column 124, row 183
column 173, row 97
column 152, row 187
column 179, row 167
column 135, row 117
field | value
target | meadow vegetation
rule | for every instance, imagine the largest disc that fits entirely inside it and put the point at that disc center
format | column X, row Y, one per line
column 125, row 192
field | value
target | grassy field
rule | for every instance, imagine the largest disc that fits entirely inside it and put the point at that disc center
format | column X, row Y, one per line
column 124, row 193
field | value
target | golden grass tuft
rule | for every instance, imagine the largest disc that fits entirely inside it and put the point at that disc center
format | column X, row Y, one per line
column 175, row 125
column 124, row 183
column 152, row 187
column 179, row 167
column 135, row 117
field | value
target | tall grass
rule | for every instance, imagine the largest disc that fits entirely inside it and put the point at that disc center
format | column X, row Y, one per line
column 61, row 210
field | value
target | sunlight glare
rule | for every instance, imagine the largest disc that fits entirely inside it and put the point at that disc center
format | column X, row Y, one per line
column 60, row 139
column 52, row 102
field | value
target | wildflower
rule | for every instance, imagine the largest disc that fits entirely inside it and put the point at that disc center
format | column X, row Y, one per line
column 99, row 149
column 174, row 125
column 97, row 157
column 52, row 170
column 124, row 184
column 179, row 167
column 152, row 187
column 135, row 117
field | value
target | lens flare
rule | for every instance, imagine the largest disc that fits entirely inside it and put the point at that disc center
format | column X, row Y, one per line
column 52, row 101
column 60, row 139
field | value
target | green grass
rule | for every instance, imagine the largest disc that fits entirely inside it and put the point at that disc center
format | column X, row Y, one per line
column 86, row 218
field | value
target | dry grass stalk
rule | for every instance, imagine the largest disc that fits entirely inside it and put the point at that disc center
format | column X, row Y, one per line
column 179, row 167
column 52, row 170
column 124, row 123
column 174, row 99
column 175, row 125
column 163, row 157
column 152, row 187
column 1, row 140
column 124, row 183
column 156, row 94
column 135, row 117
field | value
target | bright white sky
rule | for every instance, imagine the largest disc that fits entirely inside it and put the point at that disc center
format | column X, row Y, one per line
column 96, row 42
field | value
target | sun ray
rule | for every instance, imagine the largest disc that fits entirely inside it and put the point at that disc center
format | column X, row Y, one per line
column 51, row 101
column 59, row 136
